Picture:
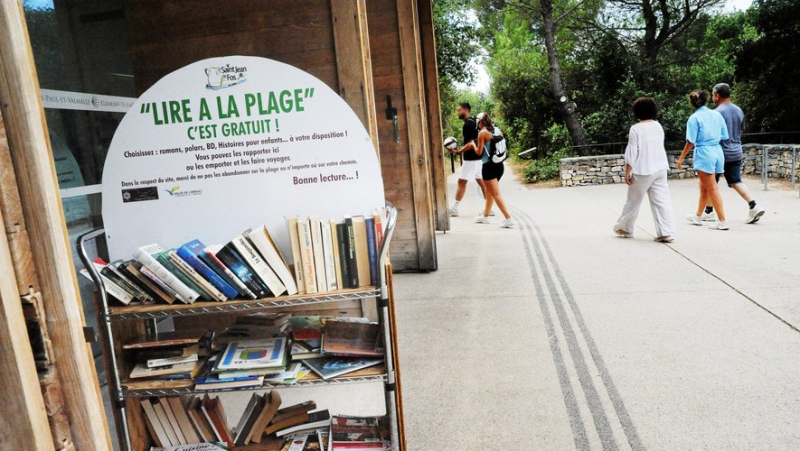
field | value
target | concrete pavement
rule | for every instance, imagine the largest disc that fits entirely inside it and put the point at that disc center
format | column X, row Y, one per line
column 559, row 335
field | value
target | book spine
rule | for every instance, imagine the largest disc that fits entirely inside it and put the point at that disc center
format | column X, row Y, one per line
column 273, row 258
column 204, row 284
column 319, row 253
column 187, row 294
column 152, row 363
column 297, row 264
column 378, row 231
column 330, row 258
column 173, row 295
column 307, row 256
column 337, row 261
column 206, row 273
column 264, row 272
column 111, row 279
column 145, row 283
column 223, row 271
column 372, row 248
column 344, row 261
column 165, row 261
column 231, row 258
column 130, row 284
column 352, row 263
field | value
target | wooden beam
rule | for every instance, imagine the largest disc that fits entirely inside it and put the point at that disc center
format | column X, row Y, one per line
column 354, row 62
column 32, row 158
column 417, row 124
column 24, row 422
column 431, row 79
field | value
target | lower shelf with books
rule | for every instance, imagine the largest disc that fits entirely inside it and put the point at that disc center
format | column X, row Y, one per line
column 133, row 389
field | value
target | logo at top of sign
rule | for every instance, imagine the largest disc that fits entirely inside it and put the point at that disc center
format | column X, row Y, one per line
column 172, row 191
column 225, row 76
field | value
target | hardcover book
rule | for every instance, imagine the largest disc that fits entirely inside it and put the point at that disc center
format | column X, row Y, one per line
column 231, row 258
column 147, row 256
column 362, row 433
column 190, row 253
column 263, row 243
column 259, row 266
column 297, row 265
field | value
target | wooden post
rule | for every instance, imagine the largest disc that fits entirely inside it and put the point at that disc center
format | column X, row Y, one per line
column 416, row 120
column 24, row 422
column 353, row 61
column 35, row 169
column 431, row 79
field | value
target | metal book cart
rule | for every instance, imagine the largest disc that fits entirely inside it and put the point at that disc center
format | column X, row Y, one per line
column 122, row 391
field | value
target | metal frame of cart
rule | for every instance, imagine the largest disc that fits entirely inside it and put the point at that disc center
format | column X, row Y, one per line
column 151, row 313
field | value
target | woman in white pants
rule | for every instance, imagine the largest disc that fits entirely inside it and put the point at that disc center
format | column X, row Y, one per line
column 646, row 173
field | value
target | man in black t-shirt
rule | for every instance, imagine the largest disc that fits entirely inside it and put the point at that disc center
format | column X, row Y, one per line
column 472, row 165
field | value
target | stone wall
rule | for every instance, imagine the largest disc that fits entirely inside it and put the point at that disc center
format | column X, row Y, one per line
column 606, row 169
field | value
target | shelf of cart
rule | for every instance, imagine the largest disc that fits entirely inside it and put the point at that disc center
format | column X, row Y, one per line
column 151, row 311
column 131, row 388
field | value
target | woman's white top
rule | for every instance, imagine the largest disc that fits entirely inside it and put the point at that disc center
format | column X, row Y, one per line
column 645, row 152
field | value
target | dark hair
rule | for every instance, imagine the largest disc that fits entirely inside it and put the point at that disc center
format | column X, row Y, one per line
column 465, row 105
column 487, row 122
column 723, row 90
column 698, row 97
column 645, row 108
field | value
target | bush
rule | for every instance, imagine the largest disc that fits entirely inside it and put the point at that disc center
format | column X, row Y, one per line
column 544, row 169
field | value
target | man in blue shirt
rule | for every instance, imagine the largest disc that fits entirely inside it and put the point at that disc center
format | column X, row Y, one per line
column 732, row 148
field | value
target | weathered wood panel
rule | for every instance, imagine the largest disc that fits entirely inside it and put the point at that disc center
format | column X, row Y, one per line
column 41, row 206
column 434, row 114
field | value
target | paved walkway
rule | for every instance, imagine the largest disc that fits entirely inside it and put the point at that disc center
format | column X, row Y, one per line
column 559, row 335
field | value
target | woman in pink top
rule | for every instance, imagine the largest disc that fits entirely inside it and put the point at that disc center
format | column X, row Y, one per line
column 646, row 169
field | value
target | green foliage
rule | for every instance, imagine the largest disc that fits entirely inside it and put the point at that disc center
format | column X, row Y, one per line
column 768, row 67
column 456, row 42
column 544, row 168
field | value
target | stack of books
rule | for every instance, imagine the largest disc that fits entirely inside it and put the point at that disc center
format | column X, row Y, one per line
column 172, row 422
column 264, row 424
column 361, row 433
column 332, row 346
column 173, row 359
column 244, row 363
column 327, row 256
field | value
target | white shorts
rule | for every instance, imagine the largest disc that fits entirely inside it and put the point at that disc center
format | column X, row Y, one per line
column 471, row 170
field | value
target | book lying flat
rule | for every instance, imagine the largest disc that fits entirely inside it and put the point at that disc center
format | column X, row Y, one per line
column 314, row 420
column 329, row 367
column 162, row 343
column 251, row 354
column 344, row 338
column 141, row 370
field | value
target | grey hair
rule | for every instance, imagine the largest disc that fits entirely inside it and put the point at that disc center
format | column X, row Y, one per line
column 723, row 90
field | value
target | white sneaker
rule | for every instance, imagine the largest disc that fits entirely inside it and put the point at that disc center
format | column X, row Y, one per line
column 708, row 217
column 719, row 225
column 491, row 213
column 694, row 219
column 481, row 219
column 755, row 214
column 453, row 211
column 508, row 223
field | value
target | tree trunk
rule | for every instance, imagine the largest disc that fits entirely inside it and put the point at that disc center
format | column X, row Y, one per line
column 556, row 85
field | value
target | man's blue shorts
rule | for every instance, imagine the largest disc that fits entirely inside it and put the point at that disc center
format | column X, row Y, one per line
column 733, row 172
column 709, row 159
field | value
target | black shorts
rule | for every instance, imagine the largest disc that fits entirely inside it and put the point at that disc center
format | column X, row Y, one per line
column 493, row 171
column 733, row 172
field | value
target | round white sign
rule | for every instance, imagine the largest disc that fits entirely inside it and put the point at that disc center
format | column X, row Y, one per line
column 230, row 143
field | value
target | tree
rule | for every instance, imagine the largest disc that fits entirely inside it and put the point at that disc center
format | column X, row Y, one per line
column 659, row 21
column 768, row 66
